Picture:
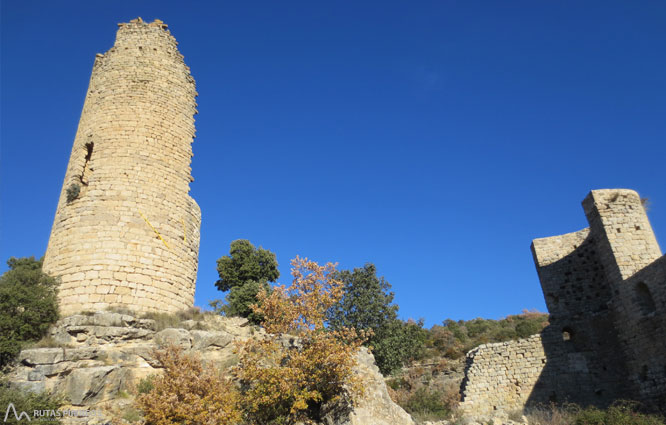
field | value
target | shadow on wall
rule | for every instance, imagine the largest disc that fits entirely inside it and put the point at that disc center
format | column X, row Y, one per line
column 613, row 350
column 584, row 364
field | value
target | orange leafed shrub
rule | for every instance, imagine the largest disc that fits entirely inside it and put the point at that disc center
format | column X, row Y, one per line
column 286, row 379
column 188, row 393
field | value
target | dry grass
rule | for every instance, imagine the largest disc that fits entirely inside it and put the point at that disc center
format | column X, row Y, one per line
column 48, row 342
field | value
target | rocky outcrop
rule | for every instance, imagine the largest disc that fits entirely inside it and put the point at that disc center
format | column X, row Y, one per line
column 100, row 358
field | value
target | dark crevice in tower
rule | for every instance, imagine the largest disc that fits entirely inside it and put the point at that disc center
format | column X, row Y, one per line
column 85, row 173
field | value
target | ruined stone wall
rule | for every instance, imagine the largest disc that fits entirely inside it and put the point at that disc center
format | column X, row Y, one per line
column 581, row 341
column 637, row 269
column 641, row 323
column 624, row 238
column 131, row 236
column 605, row 288
column 572, row 279
column 501, row 376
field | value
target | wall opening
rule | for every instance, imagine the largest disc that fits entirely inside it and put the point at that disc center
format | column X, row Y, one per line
column 567, row 334
column 85, row 173
column 644, row 298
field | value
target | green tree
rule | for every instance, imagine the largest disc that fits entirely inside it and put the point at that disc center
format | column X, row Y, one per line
column 368, row 305
column 28, row 305
column 367, row 302
column 240, row 298
column 397, row 343
column 243, row 273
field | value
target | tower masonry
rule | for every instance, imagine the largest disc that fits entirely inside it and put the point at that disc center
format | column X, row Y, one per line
column 126, row 231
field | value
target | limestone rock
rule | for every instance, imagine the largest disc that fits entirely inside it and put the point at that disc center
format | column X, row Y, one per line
column 38, row 356
column 85, row 385
column 205, row 339
column 376, row 407
column 179, row 337
column 111, row 359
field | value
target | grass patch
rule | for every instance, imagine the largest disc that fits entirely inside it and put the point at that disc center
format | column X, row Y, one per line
column 427, row 405
column 132, row 414
column 175, row 320
column 146, row 384
column 47, row 342
column 622, row 412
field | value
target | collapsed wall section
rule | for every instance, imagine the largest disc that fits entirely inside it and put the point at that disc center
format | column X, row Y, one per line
column 126, row 231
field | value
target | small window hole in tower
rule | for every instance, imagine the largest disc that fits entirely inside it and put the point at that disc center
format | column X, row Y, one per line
column 85, row 173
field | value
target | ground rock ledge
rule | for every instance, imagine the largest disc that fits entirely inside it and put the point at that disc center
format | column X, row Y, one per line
column 101, row 357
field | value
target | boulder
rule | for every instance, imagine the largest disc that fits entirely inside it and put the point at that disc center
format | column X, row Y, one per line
column 375, row 407
column 87, row 385
column 205, row 339
column 39, row 356
column 179, row 337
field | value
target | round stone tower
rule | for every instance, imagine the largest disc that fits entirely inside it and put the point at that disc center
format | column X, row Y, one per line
column 126, row 231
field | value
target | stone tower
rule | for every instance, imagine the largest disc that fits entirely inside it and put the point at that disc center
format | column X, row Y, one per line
column 126, row 231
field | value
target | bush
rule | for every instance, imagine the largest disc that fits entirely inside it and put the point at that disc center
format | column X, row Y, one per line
column 73, row 192
column 28, row 402
column 527, row 328
column 426, row 404
column 188, row 393
column 398, row 343
column 455, row 339
column 146, row 384
column 28, row 305
column 132, row 414
column 288, row 381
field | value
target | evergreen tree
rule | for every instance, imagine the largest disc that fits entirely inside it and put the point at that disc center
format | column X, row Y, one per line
column 367, row 304
column 243, row 273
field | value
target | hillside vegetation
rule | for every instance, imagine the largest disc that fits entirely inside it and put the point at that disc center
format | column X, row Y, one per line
column 453, row 339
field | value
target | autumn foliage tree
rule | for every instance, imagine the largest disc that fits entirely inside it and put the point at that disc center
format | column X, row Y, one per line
column 189, row 393
column 285, row 378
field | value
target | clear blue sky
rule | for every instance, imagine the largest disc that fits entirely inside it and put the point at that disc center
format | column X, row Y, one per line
column 434, row 139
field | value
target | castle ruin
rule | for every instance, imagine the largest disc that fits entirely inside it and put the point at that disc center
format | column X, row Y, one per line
column 126, row 231
column 605, row 288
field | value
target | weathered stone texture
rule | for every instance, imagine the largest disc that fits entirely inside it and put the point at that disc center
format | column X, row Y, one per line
column 501, row 376
column 131, row 237
column 105, row 354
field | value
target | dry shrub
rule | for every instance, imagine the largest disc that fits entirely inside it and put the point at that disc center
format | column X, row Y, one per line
column 285, row 382
column 188, row 393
